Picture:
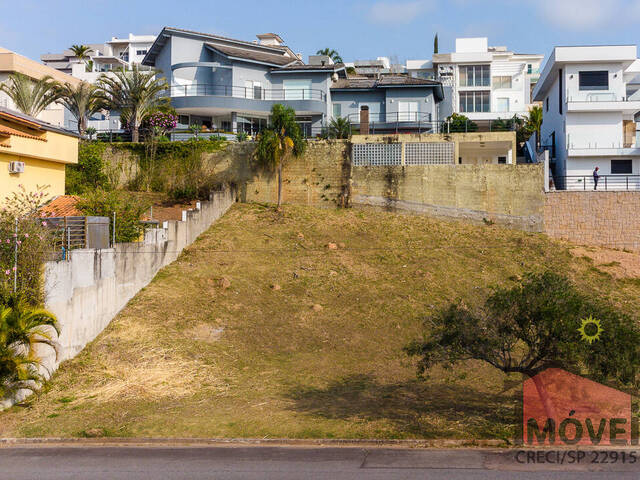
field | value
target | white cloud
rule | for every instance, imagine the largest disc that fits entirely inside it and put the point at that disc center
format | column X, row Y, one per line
column 582, row 15
column 397, row 13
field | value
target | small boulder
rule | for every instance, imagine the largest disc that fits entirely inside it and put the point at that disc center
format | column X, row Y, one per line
column 333, row 273
column 224, row 283
column 275, row 286
column 332, row 246
column 317, row 308
column 301, row 236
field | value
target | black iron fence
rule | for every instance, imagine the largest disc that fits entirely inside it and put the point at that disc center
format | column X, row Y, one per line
column 603, row 182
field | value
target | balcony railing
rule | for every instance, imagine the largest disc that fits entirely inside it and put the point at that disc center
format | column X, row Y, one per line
column 414, row 122
column 605, row 182
column 253, row 93
column 602, row 97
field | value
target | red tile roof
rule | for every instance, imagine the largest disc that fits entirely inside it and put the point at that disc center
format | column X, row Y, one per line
column 8, row 131
column 62, row 206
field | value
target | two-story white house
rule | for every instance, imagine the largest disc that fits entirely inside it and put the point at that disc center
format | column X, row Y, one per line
column 591, row 103
column 482, row 82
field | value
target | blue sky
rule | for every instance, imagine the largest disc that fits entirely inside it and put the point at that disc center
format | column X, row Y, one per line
column 357, row 29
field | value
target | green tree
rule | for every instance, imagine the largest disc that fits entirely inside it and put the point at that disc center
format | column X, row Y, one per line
column 22, row 328
column 31, row 96
column 282, row 138
column 530, row 327
column 331, row 53
column 80, row 51
column 339, row 127
column 82, row 101
column 135, row 94
column 129, row 211
column 457, row 123
column 435, row 44
column 534, row 121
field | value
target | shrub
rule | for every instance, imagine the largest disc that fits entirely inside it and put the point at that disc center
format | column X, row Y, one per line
column 129, row 211
column 26, row 243
column 89, row 173
column 458, row 123
column 242, row 136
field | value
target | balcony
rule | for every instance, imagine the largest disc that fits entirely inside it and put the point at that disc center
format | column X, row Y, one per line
column 414, row 122
column 603, row 102
column 606, row 183
column 226, row 98
column 630, row 146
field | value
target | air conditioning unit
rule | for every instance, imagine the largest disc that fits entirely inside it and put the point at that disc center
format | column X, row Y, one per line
column 16, row 167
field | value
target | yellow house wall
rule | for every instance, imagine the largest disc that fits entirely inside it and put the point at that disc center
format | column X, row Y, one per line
column 36, row 172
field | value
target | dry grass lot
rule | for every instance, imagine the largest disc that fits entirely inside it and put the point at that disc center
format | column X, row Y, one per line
column 261, row 330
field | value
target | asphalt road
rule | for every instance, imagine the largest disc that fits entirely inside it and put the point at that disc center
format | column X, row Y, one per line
column 283, row 463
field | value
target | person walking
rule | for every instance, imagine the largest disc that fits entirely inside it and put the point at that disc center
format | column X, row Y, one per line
column 596, row 177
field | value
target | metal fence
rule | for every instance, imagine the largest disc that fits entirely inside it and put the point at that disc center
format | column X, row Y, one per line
column 604, row 183
column 79, row 232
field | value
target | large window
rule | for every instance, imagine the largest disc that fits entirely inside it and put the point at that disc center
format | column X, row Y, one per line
column 474, row 102
column 502, row 82
column 621, row 167
column 596, row 80
column 502, row 104
column 337, row 110
column 408, row 111
column 475, row 76
column 297, row 89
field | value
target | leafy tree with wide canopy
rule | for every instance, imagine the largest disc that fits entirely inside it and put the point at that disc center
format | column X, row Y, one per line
column 530, row 327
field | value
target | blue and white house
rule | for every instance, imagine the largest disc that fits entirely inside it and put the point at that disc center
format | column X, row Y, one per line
column 231, row 85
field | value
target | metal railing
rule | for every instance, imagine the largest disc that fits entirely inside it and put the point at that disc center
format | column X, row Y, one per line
column 252, row 93
column 594, row 97
column 604, row 183
column 409, row 122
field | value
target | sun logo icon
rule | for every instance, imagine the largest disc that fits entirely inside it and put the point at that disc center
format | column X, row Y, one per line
column 590, row 329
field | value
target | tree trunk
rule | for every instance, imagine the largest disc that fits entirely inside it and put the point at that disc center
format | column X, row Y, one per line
column 549, row 409
column 82, row 125
column 279, row 185
column 135, row 136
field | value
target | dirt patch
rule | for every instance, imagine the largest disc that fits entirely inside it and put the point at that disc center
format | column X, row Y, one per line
column 618, row 263
column 204, row 332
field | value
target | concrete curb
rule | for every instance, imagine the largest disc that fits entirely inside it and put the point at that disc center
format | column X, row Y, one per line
column 329, row 442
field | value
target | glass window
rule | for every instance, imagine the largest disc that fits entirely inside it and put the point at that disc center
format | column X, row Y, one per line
column 337, row 110
column 475, row 76
column 621, row 167
column 502, row 82
column 475, row 102
column 297, row 89
column 141, row 52
column 596, row 80
column 502, row 104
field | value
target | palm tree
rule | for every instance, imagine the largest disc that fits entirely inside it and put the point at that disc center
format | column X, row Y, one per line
column 339, row 127
column 82, row 101
column 22, row 328
column 534, row 122
column 135, row 94
column 31, row 96
column 281, row 138
column 332, row 54
column 80, row 51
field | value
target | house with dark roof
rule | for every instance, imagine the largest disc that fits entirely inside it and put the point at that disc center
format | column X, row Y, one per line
column 393, row 103
column 231, row 85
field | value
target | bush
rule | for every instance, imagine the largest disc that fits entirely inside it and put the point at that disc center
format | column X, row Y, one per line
column 89, row 173
column 458, row 123
column 32, row 242
column 129, row 211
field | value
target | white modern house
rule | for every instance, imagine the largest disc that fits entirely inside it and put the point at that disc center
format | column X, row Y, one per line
column 591, row 106
column 482, row 82
column 116, row 54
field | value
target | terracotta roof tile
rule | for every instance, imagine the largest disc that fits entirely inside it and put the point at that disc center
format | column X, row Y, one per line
column 62, row 206
column 8, row 131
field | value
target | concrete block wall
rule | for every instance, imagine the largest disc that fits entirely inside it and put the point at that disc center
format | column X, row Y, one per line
column 87, row 291
column 606, row 219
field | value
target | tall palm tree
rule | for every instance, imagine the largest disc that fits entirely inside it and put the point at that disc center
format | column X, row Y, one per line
column 534, row 122
column 332, row 54
column 82, row 101
column 282, row 138
column 22, row 328
column 30, row 96
column 135, row 94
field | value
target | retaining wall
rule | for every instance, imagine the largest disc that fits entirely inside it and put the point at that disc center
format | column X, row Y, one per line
column 606, row 219
column 87, row 291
